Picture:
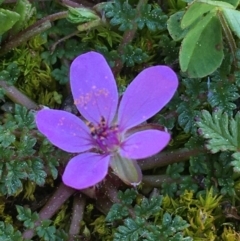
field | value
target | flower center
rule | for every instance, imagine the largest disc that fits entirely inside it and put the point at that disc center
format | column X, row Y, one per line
column 107, row 139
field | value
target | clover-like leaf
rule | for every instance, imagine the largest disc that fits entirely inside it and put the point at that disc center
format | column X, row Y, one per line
column 174, row 26
column 233, row 18
column 202, row 51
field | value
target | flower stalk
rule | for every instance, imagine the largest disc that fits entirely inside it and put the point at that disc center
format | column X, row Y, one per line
column 52, row 206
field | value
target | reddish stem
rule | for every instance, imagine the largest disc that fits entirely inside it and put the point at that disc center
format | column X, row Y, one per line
column 77, row 215
column 52, row 206
column 166, row 158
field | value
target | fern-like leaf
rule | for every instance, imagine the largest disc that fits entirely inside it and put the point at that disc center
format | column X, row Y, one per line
column 220, row 130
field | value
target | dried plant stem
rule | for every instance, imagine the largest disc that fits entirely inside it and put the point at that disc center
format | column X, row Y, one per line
column 16, row 96
column 128, row 36
column 77, row 215
column 170, row 157
column 37, row 28
column 52, row 206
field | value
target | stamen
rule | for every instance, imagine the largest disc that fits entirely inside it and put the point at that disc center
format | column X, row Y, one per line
column 107, row 138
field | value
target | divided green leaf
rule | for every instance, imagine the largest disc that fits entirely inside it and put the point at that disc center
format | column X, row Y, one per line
column 221, row 131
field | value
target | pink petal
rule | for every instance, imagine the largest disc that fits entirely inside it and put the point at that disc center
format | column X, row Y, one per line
column 64, row 130
column 144, row 144
column 93, row 87
column 149, row 92
column 86, row 170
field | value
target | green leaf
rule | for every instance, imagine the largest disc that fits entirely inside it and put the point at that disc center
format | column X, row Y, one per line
column 169, row 189
column 179, row 224
column 154, row 19
column 6, row 137
column 222, row 94
column 187, row 184
column 61, row 74
column 26, row 216
column 117, row 212
column 187, row 114
column 7, row 233
column 36, row 171
column 131, row 230
column 133, row 55
column 167, row 219
column 148, row 207
column 110, row 56
column 121, row 210
column 174, row 170
column 51, row 58
column 174, row 26
column 73, row 47
column 24, row 117
column 194, row 12
column 24, row 9
column 233, row 2
column 10, row 74
column 7, row 20
column 46, row 231
column 169, row 49
column 233, row 18
column 16, row 170
column 220, row 4
column 236, row 162
column 121, row 14
column 221, row 131
column 52, row 164
column 127, row 197
column 201, row 50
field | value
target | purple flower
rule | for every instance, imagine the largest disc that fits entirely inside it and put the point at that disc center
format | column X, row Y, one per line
column 105, row 139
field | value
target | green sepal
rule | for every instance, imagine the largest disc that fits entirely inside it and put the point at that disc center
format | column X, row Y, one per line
column 127, row 170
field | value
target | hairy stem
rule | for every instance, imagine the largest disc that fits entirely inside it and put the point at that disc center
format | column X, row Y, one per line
column 52, row 206
column 169, row 157
column 158, row 180
column 77, row 215
column 109, row 190
column 16, row 96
